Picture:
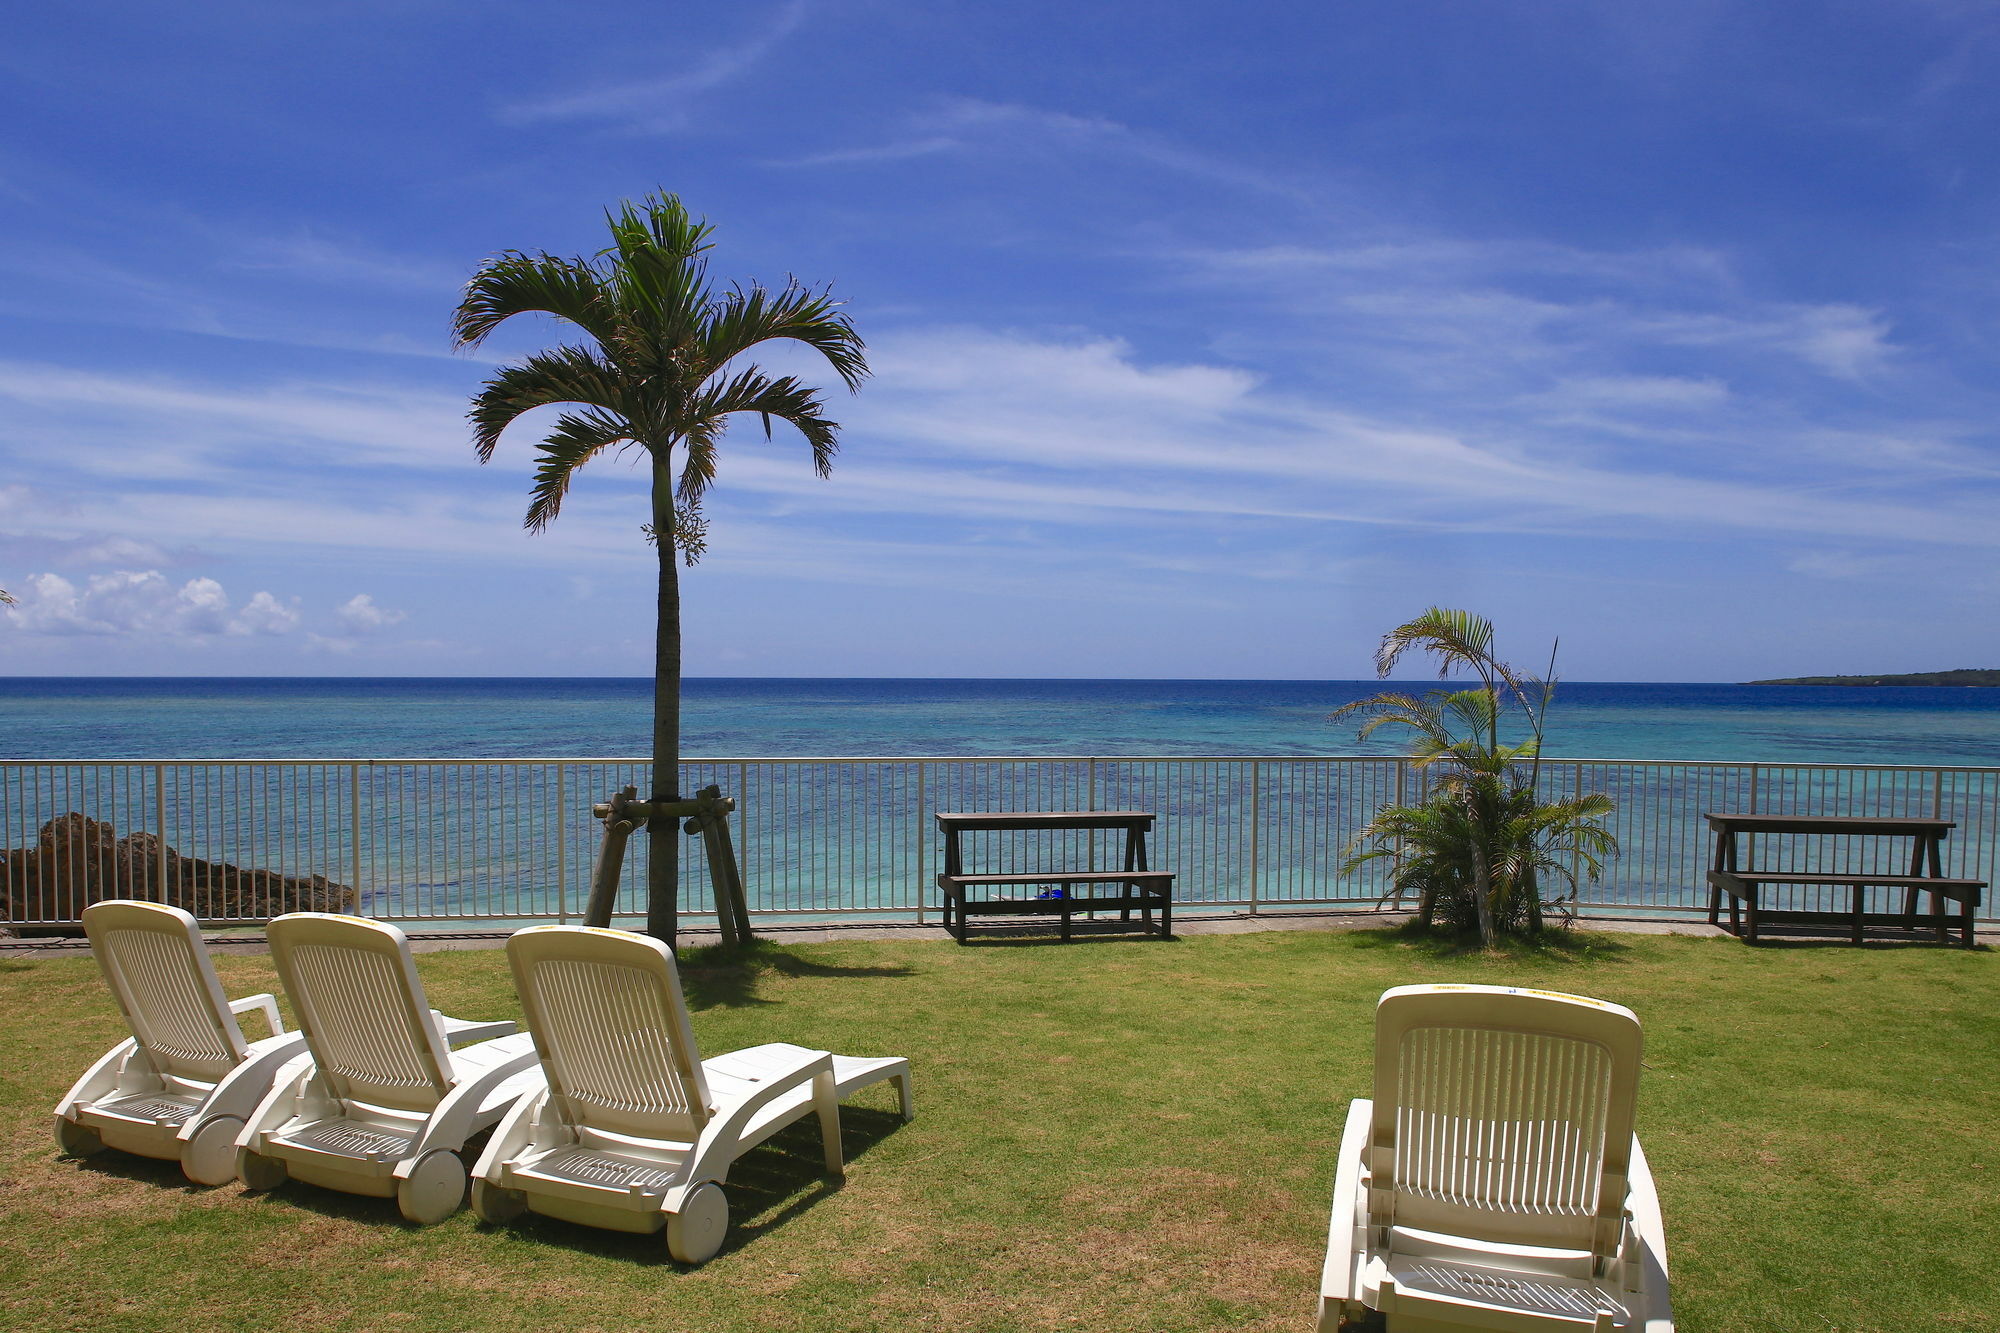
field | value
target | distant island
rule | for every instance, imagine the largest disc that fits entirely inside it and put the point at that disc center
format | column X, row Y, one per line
column 1962, row 676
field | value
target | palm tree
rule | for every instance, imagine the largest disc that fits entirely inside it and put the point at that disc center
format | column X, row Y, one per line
column 1481, row 847
column 660, row 368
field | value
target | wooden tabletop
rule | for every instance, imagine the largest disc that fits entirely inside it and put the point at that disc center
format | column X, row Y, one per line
column 1731, row 823
column 1050, row 819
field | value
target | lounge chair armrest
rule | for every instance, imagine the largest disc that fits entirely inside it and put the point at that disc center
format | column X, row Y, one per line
column 715, row 1149
column 1336, row 1281
column 266, row 1002
column 100, row 1080
column 457, row 1117
column 459, row 1031
column 279, row 1103
column 513, row 1136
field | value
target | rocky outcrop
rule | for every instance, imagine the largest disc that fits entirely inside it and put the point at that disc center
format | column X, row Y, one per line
column 77, row 861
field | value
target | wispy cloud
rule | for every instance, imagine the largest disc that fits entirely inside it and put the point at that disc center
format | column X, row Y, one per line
column 1074, row 433
column 311, row 255
column 1066, row 436
column 121, row 423
column 1500, row 308
column 967, row 124
column 896, row 151
column 661, row 105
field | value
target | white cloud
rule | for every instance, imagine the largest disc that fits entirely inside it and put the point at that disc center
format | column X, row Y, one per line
column 264, row 614
column 1842, row 340
column 360, row 615
column 142, row 604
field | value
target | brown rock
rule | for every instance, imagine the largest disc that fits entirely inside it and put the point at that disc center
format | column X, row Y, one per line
column 77, row 861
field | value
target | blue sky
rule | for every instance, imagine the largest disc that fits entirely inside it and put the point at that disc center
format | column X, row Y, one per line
column 1210, row 339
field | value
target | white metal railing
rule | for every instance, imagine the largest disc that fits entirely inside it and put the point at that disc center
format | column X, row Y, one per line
column 442, row 840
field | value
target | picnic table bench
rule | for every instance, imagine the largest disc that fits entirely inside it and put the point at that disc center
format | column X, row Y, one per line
column 1744, row 886
column 1131, row 886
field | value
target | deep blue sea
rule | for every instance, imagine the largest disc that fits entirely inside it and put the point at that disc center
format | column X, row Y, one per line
column 103, row 718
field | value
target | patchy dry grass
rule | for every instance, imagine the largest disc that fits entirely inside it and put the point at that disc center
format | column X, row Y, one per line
column 1115, row 1134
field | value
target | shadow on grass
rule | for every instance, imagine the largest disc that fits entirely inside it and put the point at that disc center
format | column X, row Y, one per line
column 152, row 1171
column 1551, row 946
column 364, row 1208
column 767, row 1187
column 1776, row 938
column 717, row 977
column 1081, row 932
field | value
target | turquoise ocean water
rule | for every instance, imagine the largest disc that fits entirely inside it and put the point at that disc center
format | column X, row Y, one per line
column 107, row 718
column 443, row 842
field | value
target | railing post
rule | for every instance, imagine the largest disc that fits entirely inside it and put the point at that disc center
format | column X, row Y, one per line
column 923, row 847
column 742, row 849
column 1396, row 861
column 1255, row 784
column 160, row 824
column 562, row 843
column 1091, row 788
column 354, row 831
column 1576, row 853
column 1750, row 839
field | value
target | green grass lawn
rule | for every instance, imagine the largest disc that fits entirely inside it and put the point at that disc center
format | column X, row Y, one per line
column 1110, row 1134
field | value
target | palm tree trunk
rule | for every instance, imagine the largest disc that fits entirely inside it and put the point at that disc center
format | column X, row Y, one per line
column 663, row 846
column 1482, row 890
column 1426, row 908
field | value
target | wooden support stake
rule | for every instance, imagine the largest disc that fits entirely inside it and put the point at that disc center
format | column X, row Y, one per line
column 725, row 879
column 708, row 815
column 620, row 818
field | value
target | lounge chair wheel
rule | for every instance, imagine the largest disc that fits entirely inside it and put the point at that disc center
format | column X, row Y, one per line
column 434, row 1189
column 493, row 1203
column 695, row 1233
column 77, row 1140
column 259, row 1172
column 209, row 1158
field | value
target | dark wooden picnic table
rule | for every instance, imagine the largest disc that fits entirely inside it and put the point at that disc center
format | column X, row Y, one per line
column 1745, row 886
column 1131, row 886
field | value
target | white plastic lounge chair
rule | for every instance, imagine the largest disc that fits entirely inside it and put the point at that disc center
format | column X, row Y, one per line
column 184, row 1082
column 381, row 1105
column 634, row 1130
column 1494, row 1181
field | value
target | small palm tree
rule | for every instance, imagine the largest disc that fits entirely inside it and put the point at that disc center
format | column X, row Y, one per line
column 661, row 369
column 1478, row 851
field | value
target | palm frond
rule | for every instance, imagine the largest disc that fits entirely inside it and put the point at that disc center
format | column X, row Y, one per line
column 659, row 276
column 516, row 283
column 1476, row 709
column 545, row 379
column 698, row 458
column 746, row 316
column 785, row 398
column 1454, row 638
column 577, row 438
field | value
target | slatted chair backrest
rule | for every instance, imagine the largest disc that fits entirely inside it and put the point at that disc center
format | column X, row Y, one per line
column 612, row 1030
column 372, row 1033
column 160, row 973
column 1503, row 1115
